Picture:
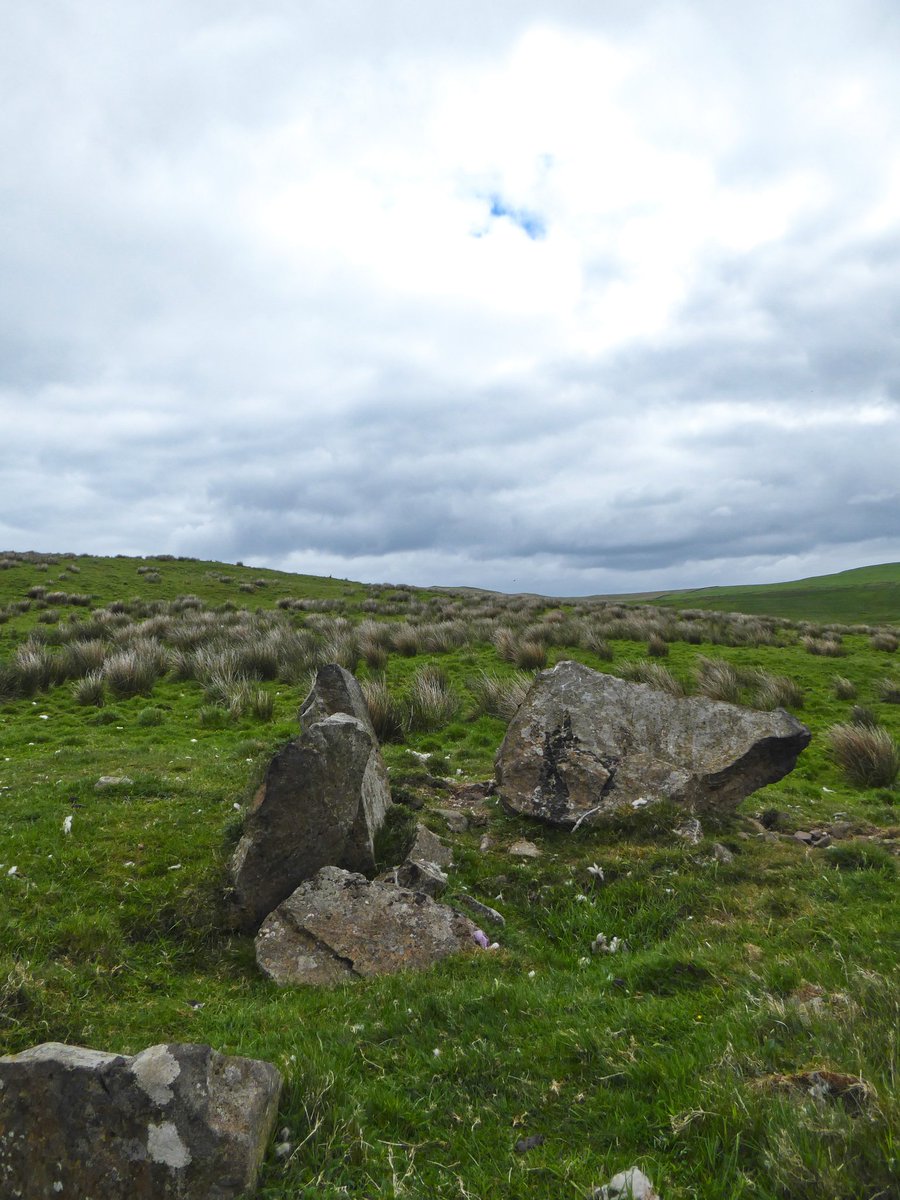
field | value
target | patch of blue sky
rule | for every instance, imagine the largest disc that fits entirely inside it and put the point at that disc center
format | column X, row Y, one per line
column 531, row 223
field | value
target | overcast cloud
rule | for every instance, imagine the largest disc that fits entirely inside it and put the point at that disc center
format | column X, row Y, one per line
column 569, row 297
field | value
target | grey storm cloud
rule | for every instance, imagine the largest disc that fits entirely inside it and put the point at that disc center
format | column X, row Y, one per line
column 253, row 303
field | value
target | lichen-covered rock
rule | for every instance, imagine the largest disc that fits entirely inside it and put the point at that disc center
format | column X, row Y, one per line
column 335, row 690
column 584, row 745
column 323, row 800
column 339, row 926
column 176, row 1122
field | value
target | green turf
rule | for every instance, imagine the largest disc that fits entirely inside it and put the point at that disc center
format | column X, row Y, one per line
column 869, row 595
column 668, row 1055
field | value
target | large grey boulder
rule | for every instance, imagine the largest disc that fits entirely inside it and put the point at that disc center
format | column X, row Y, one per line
column 322, row 801
column 335, row 690
column 339, row 926
column 176, row 1122
column 584, row 745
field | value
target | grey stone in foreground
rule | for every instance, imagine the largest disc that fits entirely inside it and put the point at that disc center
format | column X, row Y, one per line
column 176, row 1122
column 323, row 800
column 338, row 926
column 584, row 745
column 335, row 690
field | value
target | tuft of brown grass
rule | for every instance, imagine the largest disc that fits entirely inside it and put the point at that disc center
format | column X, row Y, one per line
column 868, row 757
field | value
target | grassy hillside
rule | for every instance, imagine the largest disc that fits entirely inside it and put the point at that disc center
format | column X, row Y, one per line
column 688, row 1054
column 866, row 594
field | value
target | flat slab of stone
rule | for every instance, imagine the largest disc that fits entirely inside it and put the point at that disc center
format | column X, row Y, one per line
column 585, row 745
column 323, row 800
column 339, row 926
column 177, row 1121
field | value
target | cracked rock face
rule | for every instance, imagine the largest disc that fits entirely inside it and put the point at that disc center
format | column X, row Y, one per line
column 585, row 745
column 336, row 690
column 323, row 800
column 338, row 926
column 176, row 1122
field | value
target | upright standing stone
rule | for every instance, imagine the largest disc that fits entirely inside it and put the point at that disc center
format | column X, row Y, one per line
column 323, row 799
column 336, row 690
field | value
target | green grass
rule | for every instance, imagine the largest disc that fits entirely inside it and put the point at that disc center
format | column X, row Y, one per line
column 781, row 961
column 866, row 594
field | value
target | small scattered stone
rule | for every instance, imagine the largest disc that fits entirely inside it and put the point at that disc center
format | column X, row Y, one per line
column 523, row 1145
column 691, row 831
column 457, row 822
column 722, row 854
column 632, row 1184
column 482, row 910
column 486, row 843
column 524, row 849
column 424, row 877
column 428, row 847
column 802, row 836
column 107, row 781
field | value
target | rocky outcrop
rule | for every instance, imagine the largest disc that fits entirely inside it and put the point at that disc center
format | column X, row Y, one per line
column 323, row 800
column 584, row 745
column 339, row 926
column 175, row 1122
column 335, row 690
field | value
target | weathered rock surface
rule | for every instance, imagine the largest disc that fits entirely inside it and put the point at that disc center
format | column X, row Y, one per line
column 585, row 745
column 177, row 1121
column 336, row 690
column 424, row 877
column 428, row 847
column 338, row 926
column 323, row 800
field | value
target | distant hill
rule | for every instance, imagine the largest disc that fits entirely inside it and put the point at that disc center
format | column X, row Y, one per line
column 864, row 595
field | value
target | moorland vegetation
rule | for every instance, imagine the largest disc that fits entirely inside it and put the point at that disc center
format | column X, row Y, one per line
column 745, row 974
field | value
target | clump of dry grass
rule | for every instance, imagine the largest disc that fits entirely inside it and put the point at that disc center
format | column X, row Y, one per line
column 498, row 695
column 384, row 711
column 868, row 757
column 653, row 674
column 775, row 691
column 843, row 688
column 829, row 646
column 431, row 702
column 718, row 680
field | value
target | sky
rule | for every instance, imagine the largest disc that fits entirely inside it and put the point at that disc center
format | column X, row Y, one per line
column 571, row 297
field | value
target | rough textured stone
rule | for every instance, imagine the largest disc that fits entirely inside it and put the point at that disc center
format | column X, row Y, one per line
column 323, row 800
column 524, row 849
column 176, row 1122
column 339, row 926
column 428, row 847
column 335, row 690
column 424, row 877
column 584, row 745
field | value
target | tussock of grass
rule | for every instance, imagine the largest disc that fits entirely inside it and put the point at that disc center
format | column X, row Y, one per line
column 498, row 695
column 868, row 757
